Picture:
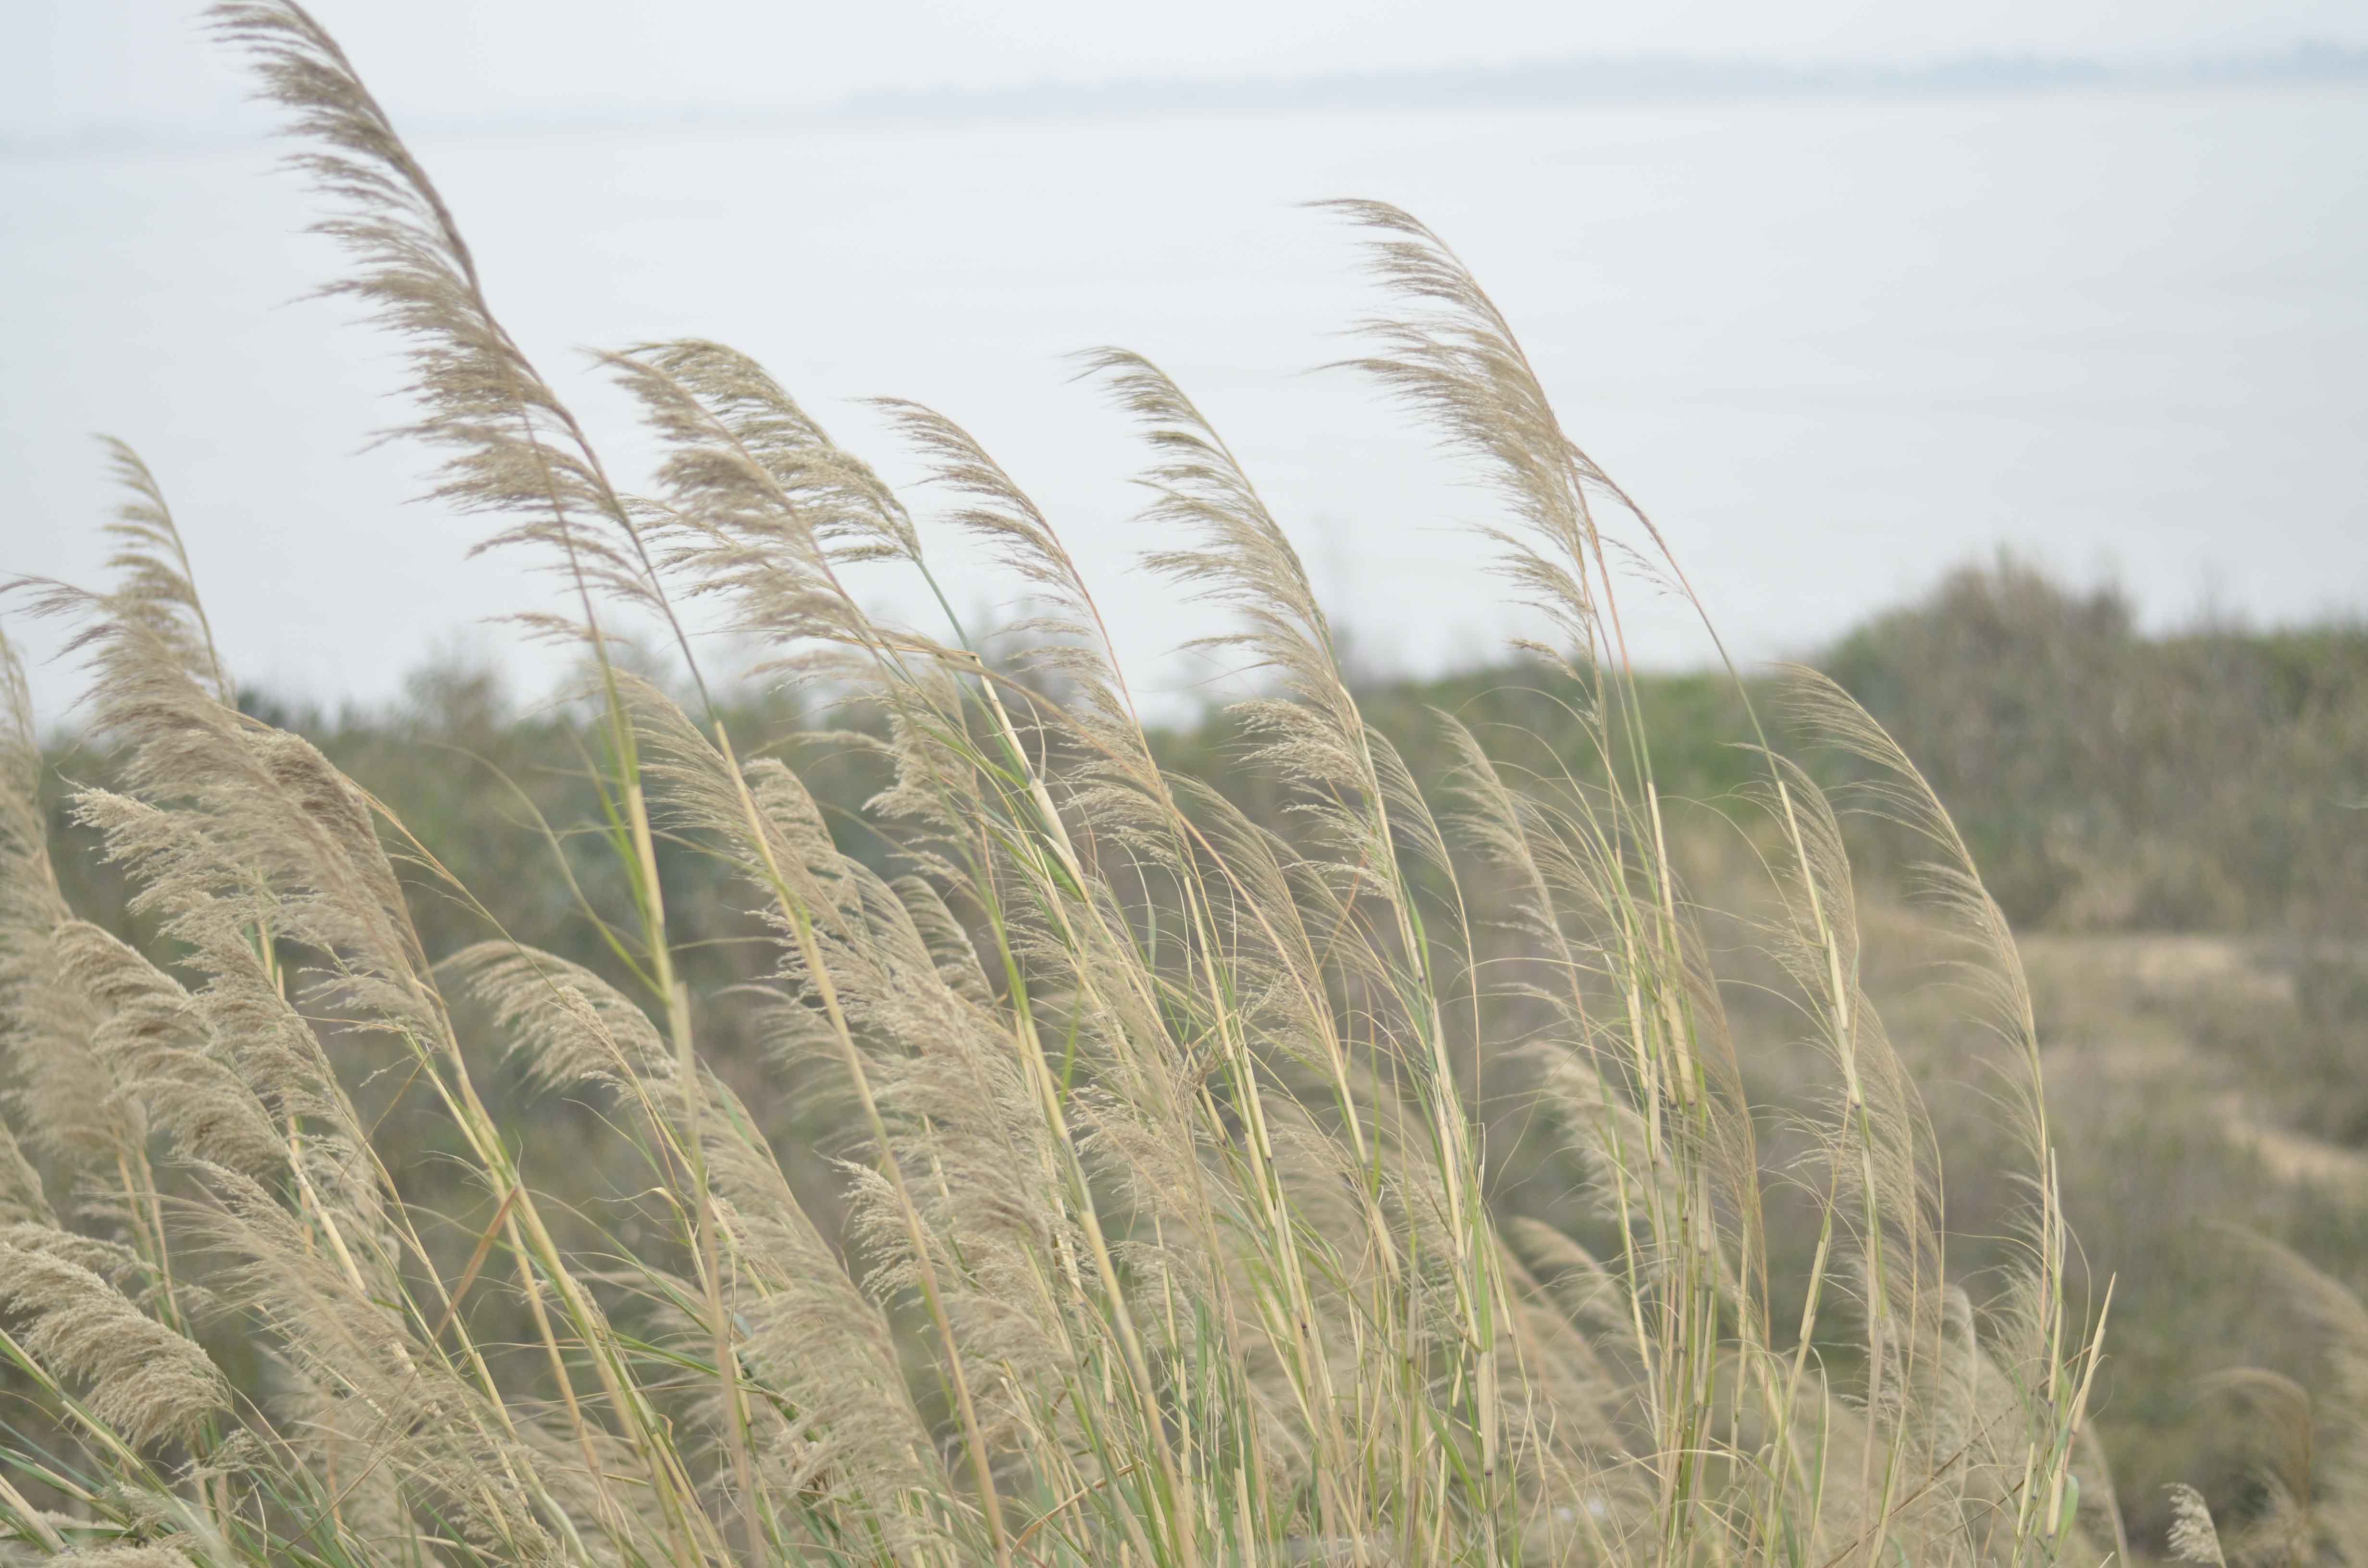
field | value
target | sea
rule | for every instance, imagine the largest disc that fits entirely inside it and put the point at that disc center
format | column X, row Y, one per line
column 1834, row 345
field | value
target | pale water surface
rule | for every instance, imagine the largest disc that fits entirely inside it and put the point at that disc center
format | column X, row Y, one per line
column 1834, row 346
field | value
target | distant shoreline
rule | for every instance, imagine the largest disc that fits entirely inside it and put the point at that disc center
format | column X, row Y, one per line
column 1624, row 79
column 1576, row 83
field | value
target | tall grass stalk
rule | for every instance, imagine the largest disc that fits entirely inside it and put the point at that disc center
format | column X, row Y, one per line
column 1168, row 1231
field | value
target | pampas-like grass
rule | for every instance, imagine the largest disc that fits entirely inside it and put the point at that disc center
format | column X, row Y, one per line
column 1164, row 1230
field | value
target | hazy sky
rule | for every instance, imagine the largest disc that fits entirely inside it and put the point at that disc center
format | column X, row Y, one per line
column 73, row 63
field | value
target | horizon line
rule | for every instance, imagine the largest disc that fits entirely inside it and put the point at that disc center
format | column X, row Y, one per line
column 1570, row 81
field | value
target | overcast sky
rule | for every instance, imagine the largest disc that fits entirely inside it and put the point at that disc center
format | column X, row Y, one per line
column 74, row 64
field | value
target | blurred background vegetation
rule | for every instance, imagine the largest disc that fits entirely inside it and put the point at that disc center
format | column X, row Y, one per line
column 2175, row 824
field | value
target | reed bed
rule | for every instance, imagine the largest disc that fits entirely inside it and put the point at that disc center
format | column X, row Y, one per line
column 1163, row 1230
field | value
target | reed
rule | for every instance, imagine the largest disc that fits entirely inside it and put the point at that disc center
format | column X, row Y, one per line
column 1164, row 1230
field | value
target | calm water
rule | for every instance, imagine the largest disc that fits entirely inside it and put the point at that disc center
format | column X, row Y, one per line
column 1835, row 345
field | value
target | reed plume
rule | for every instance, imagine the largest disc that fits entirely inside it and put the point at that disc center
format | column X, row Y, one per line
column 1166, row 1225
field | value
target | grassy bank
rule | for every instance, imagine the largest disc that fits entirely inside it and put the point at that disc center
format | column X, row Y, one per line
column 2202, row 1033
